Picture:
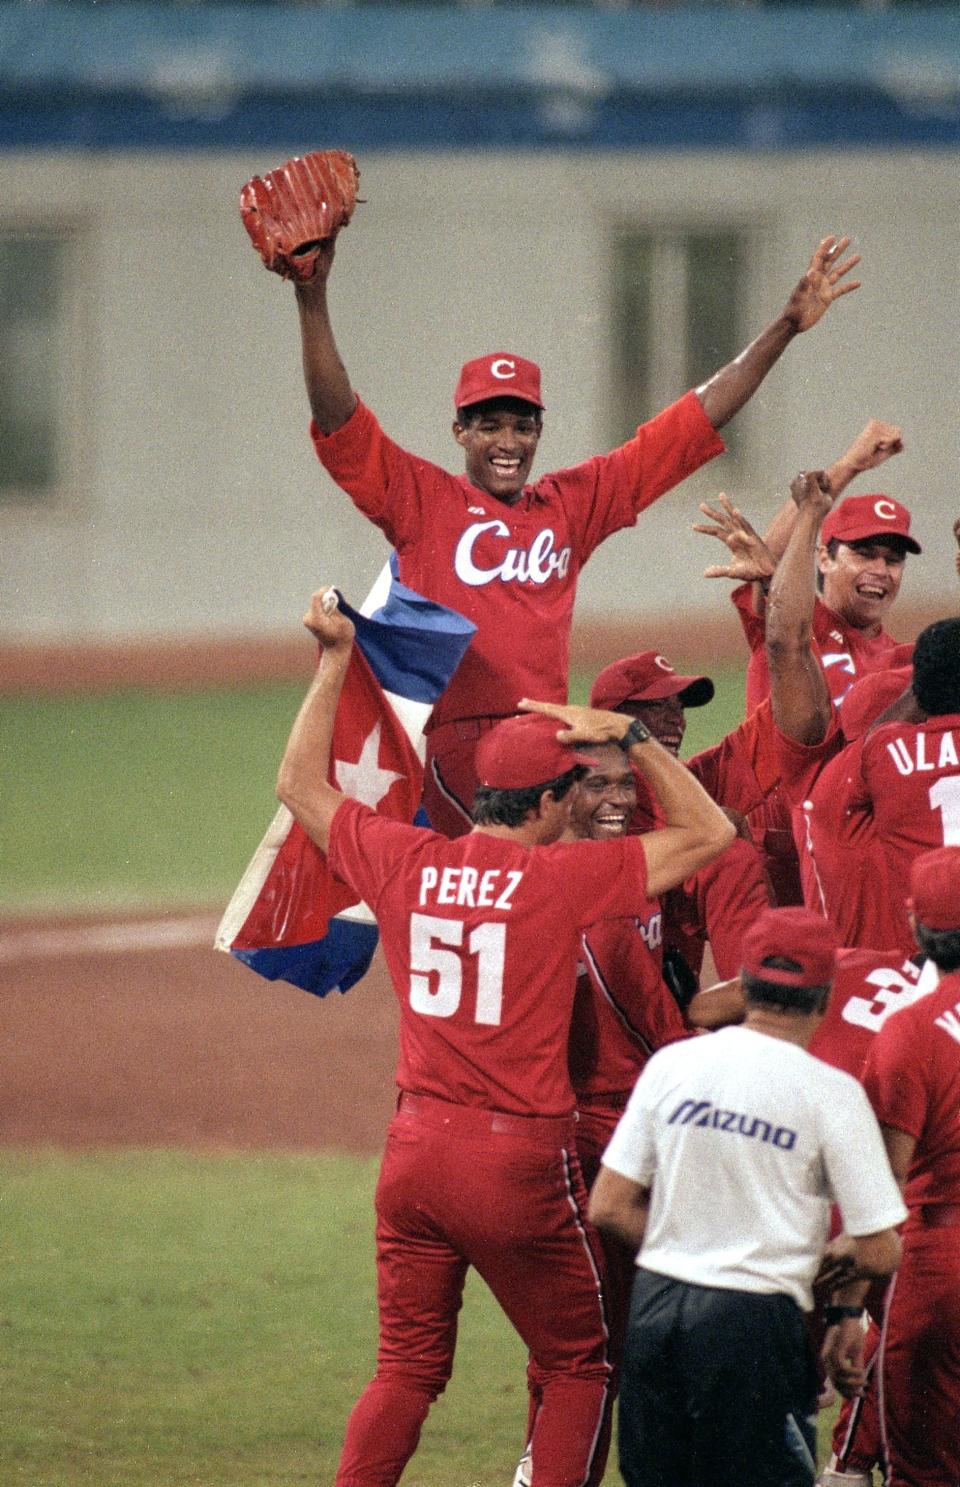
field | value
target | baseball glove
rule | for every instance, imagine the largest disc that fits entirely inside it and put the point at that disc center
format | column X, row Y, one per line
column 290, row 212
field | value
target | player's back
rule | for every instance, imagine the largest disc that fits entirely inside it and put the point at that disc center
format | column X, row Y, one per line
column 869, row 985
column 916, row 1064
column 481, row 936
column 913, row 770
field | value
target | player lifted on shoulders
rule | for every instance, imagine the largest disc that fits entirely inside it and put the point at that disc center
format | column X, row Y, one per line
column 503, row 552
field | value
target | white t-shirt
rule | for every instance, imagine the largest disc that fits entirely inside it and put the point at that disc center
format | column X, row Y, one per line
column 745, row 1141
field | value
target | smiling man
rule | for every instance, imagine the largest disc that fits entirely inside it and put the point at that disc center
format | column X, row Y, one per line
column 501, row 551
column 719, row 903
column 862, row 552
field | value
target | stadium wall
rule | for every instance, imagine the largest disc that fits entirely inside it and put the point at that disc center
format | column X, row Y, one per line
column 191, row 504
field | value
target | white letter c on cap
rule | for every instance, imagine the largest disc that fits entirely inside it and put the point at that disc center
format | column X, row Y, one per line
column 662, row 663
column 886, row 510
column 495, row 369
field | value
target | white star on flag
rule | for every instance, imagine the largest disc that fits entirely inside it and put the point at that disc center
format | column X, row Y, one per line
column 365, row 781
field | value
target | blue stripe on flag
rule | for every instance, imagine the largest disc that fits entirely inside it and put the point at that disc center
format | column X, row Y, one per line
column 413, row 645
column 334, row 963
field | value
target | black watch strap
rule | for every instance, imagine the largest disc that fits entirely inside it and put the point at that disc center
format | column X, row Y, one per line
column 834, row 1314
column 637, row 733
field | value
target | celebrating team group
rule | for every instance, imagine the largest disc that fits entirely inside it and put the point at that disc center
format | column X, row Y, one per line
column 725, row 1201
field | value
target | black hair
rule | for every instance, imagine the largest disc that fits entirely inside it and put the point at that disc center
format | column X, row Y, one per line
column 503, row 404
column 758, row 992
column 942, row 946
column 936, row 668
column 509, row 807
column 832, row 547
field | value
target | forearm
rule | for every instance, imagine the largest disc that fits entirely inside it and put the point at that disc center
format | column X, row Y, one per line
column 799, row 696
column 619, row 1207
column 727, row 390
column 332, row 399
column 302, row 783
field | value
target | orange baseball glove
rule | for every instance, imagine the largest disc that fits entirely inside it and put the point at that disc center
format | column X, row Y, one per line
column 292, row 210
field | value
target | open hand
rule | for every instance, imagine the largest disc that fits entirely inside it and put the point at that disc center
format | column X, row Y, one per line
column 821, row 285
column 589, row 725
column 751, row 558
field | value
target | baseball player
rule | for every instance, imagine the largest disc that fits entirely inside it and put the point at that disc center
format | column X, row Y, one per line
column 891, row 795
column 718, row 1380
column 718, row 903
column 501, row 551
column 809, row 731
column 623, row 1011
column 912, row 1077
column 860, row 564
column 481, row 939
column 860, row 557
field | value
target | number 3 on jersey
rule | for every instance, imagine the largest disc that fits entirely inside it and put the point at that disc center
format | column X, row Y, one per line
column 436, row 966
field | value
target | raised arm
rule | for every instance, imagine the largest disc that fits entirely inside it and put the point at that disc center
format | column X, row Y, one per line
column 696, row 830
column 302, row 783
column 799, row 696
column 332, row 399
column 727, row 390
column 876, row 442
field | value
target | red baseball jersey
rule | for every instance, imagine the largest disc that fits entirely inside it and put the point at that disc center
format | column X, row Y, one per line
column 623, row 1009
column 512, row 570
column 482, row 937
column 845, row 653
column 868, row 986
column 845, row 866
column 893, row 794
column 717, row 906
column 719, row 902
column 912, row 1077
column 743, row 768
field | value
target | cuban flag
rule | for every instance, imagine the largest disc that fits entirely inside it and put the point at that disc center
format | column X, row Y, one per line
column 290, row 918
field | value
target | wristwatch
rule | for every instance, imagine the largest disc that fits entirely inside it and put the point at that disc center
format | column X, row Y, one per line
column 637, row 733
column 834, row 1314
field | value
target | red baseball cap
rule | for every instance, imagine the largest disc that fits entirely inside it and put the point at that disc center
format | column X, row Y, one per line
column 524, row 751
column 860, row 517
column 794, row 932
column 869, row 697
column 499, row 375
column 646, row 678
column 935, row 888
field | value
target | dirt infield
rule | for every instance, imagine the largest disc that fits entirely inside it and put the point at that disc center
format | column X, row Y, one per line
column 105, row 1045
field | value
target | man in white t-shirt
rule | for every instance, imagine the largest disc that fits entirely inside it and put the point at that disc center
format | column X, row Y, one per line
column 721, row 1173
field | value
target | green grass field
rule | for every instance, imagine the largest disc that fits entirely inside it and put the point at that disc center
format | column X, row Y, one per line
column 171, row 1320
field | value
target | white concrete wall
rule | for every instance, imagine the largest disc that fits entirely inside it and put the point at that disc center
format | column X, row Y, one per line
column 195, row 502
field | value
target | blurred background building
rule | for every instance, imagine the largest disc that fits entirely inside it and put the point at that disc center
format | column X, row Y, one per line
column 622, row 192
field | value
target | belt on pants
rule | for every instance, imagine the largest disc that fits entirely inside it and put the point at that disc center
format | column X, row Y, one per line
column 444, row 1114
